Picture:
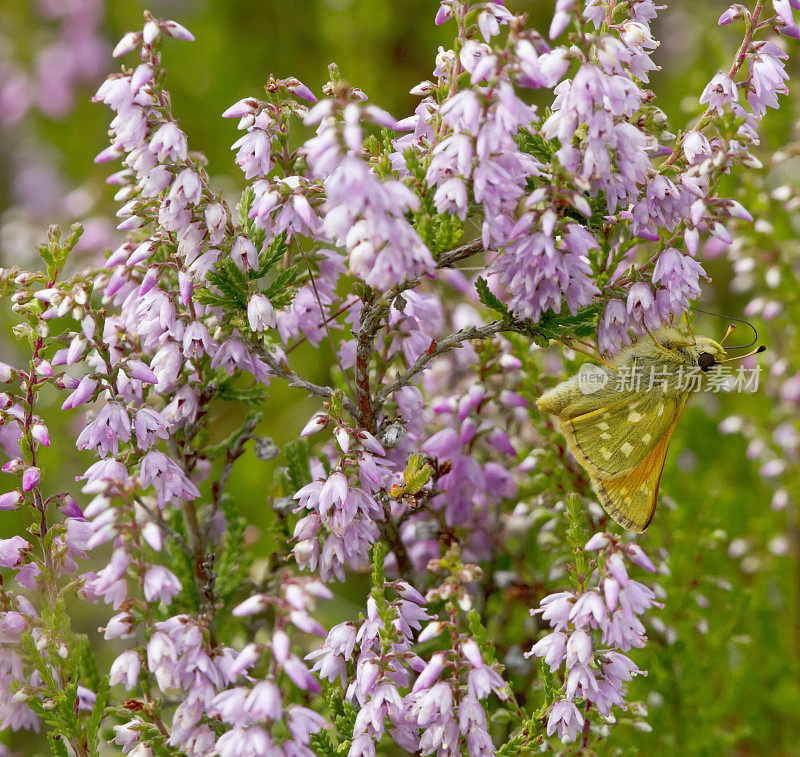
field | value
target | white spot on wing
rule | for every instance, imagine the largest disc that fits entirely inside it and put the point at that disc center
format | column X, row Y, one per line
column 602, row 426
column 634, row 417
column 646, row 438
column 626, row 449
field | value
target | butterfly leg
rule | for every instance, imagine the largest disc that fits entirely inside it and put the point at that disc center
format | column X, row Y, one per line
column 594, row 355
column 661, row 346
column 689, row 329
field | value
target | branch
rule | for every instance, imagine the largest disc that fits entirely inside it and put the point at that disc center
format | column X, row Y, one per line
column 741, row 54
column 287, row 374
column 447, row 344
column 371, row 322
column 232, row 454
column 372, row 316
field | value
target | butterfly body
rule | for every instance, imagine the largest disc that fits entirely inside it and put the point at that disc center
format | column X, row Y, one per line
column 618, row 426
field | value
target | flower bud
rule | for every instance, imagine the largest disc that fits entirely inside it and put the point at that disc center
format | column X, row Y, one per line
column 317, row 423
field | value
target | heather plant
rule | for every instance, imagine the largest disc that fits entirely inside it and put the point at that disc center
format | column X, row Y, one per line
column 438, row 577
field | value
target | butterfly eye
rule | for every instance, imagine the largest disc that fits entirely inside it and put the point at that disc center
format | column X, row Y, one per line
column 705, row 360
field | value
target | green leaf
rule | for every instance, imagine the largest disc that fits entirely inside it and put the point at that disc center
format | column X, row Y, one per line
column 232, row 283
column 535, row 144
column 488, row 299
column 272, row 254
column 481, row 637
column 281, row 291
column 322, row 744
column 562, row 326
column 416, row 474
column 254, row 395
column 299, row 467
column 57, row 746
column 102, row 696
column 378, row 575
column 234, row 561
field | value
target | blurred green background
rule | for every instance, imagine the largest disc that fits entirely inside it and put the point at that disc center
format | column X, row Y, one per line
column 724, row 667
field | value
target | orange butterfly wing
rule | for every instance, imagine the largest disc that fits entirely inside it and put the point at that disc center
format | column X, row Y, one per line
column 630, row 496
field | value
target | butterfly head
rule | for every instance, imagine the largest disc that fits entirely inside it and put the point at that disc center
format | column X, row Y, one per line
column 707, row 353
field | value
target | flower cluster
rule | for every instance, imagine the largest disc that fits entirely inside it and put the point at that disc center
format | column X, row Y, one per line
column 591, row 630
column 432, row 706
column 585, row 220
column 341, row 526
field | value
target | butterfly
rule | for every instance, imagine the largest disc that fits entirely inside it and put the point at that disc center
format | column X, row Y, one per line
column 618, row 418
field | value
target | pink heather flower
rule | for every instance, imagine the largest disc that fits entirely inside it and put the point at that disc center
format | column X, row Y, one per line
column 731, row 14
column 244, row 253
column 125, row 670
column 318, row 422
column 561, row 18
column 12, row 624
column 260, row 313
column 641, row 306
column 680, row 275
column 15, row 465
column 300, row 675
column 579, row 648
column 232, row 354
column 108, row 470
column 241, row 108
column 767, row 77
column 140, row 371
column 598, row 541
column 264, row 701
column 169, row 142
column 119, row 627
column 176, row 30
column 695, row 145
column 149, row 425
column 216, row 219
column 565, row 720
column 167, row 478
column 783, row 8
column 10, row 500
column 161, row 584
column 82, row 393
column 40, row 433
column 196, row 340
column 637, row 556
column 430, row 674
column 444, row 13
column 129, row 42
column 588, row 608
column 13, row 551
column 556, row 609
column 553, row 648
column 30, row 478
column 581, row 683
column 111, row 426
column 720, row 93
column 187, row 185
column 78, row 535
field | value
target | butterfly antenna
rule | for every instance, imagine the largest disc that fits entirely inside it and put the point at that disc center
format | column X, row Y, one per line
column 738, row 320
column 742, row 357
column 730, row 330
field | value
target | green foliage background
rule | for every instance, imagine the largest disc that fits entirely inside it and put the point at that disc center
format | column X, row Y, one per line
column 723, row 661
